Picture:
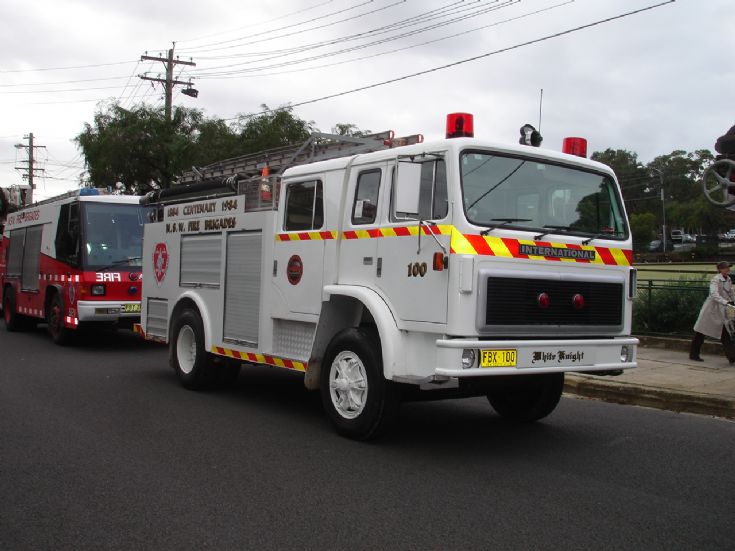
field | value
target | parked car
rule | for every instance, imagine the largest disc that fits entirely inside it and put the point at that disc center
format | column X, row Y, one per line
column 708, row 240
column 677, row 236
column 657, row 246
column 730, row 235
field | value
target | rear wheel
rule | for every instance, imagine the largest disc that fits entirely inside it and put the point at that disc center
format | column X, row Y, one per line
column 192, row 363
column 60, row 334
column 530, row 398
column 13, row 320
column 358, row 399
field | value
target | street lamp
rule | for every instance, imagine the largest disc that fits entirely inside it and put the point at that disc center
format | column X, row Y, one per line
column 663, row 203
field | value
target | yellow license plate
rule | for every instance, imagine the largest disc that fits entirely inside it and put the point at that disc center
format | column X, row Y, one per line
column 131, row 308
column 498, row 358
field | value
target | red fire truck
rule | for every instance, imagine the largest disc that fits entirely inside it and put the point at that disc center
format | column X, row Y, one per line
column 73, row 261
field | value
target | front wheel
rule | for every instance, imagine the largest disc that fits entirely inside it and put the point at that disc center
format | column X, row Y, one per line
column 60, row 334
column 192, row 363
column 529, row 398
column 357, row 398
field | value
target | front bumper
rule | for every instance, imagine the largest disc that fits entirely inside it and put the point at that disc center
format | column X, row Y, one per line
column 99, row 310
column 538, row 356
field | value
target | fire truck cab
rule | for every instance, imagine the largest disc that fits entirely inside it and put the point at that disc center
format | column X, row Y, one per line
column 459, row 267
column 73, row 260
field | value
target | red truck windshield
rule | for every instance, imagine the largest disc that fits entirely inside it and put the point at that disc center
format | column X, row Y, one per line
column 112, row 235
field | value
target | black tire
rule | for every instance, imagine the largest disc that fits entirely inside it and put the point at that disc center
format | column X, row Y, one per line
column 193, row 364
column 60, row 334
column 530, row 398
column 363, row 407
column 228, row 369
column 13, row 320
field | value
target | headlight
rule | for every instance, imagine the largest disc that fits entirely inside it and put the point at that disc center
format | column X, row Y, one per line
column 625, row 354
column 98, row 290
column 468, row 358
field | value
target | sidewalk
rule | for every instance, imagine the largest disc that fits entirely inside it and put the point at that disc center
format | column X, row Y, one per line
column 667, row 379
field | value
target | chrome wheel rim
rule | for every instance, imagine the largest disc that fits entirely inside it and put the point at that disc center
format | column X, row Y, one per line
column 186, row 349
column 348, row 386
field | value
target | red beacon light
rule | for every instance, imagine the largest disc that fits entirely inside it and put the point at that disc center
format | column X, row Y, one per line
column 575, row 146
column 460, row 125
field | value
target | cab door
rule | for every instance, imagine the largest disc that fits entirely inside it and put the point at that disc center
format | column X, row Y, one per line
column 416, row 290
column 361, row 226
column 298, row 269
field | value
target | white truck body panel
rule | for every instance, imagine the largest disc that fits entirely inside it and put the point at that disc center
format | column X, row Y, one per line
column 338, row 256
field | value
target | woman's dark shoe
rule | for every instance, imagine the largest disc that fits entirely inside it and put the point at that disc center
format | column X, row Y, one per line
column 698, row 359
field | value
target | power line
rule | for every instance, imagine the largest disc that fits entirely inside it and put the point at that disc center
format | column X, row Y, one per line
column 256, row 24
column 61, row 90
column 59, row 82
column 395, row 50
column 466, row 60
column 68, row 67
column 413, row 20
column 482, row 11
column 270, row 32
column 127, row 83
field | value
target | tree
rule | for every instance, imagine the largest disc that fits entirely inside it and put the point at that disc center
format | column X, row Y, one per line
column 272, row 128
column 643, row 228
column 348, row 129
column 680, row 173
column 632, row 177
column 137, row 146
column 143, row 150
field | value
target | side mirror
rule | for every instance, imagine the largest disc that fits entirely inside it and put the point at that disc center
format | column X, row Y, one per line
column 407, row 189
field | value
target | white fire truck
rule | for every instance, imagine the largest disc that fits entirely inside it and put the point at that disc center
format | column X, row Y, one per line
column 459, row 267
column 73, row 261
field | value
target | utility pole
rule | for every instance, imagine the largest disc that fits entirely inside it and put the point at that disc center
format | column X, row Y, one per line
column 663, row 205
column 28, row 196
column 168, row 83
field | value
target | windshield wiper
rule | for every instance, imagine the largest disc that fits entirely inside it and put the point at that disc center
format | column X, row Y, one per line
column 503, row 222
column 496, row 185
column 118, row 262
column 562, row 229
column 598, row 236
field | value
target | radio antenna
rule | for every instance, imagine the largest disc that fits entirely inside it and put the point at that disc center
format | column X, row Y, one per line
column 540, row 104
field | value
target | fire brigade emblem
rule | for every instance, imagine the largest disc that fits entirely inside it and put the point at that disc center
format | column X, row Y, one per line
column 160, row 261
column 294, row 270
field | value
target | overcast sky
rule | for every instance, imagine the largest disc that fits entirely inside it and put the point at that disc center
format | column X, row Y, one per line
column 650, row 83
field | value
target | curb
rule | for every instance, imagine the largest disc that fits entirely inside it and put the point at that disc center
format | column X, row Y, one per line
column 678, row 343
column 623, row 393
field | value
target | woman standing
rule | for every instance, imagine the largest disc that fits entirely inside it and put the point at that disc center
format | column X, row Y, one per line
column 712, row 317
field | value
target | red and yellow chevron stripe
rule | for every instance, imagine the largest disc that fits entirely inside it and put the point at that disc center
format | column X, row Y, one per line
column 483, row 245
column 397, row 231
column 307, row 236
column 557, row 252
column 259, row 358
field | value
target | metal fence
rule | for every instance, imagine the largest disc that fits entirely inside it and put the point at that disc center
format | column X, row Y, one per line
column 669, row 306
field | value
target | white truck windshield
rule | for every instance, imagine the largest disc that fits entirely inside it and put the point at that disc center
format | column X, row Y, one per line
column 530, row 194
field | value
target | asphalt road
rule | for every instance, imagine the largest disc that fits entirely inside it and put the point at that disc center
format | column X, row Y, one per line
column 100, row 448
